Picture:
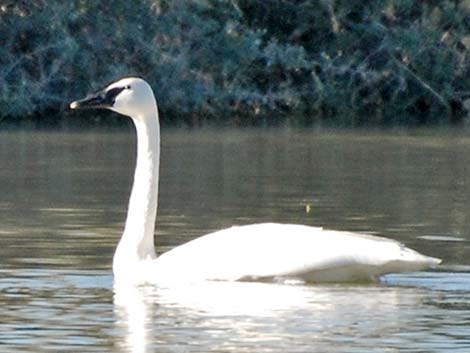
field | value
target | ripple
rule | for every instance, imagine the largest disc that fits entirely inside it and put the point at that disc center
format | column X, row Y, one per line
column 441, row 238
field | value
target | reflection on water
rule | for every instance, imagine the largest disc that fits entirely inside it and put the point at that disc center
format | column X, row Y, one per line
column 63, row 205
column 248, row 316
column 80, row 311
column 49, row 310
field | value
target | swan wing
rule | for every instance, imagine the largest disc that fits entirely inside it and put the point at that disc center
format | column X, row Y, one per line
column 270, row 250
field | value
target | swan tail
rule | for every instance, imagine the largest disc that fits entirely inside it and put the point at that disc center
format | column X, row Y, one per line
column 411, row 260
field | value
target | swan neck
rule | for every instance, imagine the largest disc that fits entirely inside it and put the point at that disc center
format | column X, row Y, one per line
column 137, row 242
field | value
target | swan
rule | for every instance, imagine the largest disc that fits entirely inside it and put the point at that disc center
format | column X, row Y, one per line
column 256, row 252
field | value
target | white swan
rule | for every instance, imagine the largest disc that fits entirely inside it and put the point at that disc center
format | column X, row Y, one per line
column 252, row 252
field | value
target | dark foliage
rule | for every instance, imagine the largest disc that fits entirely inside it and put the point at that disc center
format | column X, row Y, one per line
column 335, row 63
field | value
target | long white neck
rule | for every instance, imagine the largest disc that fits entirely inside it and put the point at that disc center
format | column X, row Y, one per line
column 137, row 241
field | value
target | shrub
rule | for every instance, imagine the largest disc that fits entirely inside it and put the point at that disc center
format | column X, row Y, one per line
column 343, row 63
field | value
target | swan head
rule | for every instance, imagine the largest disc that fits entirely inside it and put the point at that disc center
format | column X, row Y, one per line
column 131, row 96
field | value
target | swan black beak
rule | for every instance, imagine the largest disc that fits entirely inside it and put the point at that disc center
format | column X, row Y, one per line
column 102, row 99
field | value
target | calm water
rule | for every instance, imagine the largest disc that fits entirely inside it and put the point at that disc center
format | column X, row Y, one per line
column 63, row 202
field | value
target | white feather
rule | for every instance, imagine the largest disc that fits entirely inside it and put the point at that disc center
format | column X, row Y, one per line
column 258, row 252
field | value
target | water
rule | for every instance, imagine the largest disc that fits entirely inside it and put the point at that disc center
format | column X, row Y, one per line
column 63, row 203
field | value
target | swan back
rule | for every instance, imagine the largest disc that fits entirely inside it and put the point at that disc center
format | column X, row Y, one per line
column 270, row 250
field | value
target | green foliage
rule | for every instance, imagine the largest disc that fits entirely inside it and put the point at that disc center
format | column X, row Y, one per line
column 329, row 62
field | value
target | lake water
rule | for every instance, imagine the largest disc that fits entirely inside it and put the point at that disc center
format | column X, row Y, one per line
column 63, row 203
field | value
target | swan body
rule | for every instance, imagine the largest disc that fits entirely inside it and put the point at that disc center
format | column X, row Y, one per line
column 258, row 252
column 274, row 251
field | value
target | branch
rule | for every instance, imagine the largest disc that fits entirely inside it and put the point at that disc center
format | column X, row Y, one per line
column 424, row 85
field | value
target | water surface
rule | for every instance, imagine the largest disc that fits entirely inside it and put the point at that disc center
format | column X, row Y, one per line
column 63, row 203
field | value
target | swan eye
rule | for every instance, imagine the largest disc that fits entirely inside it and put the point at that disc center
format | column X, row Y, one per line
column 128, row 87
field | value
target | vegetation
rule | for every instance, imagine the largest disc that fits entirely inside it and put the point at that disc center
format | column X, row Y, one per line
column 327, row 62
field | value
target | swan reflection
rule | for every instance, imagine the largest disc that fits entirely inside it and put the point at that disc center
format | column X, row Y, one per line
column 221, row 315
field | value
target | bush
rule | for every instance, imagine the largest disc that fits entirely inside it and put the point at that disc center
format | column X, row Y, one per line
column 339, row 63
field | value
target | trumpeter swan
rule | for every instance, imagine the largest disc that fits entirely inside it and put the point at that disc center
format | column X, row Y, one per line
column 251, row 252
